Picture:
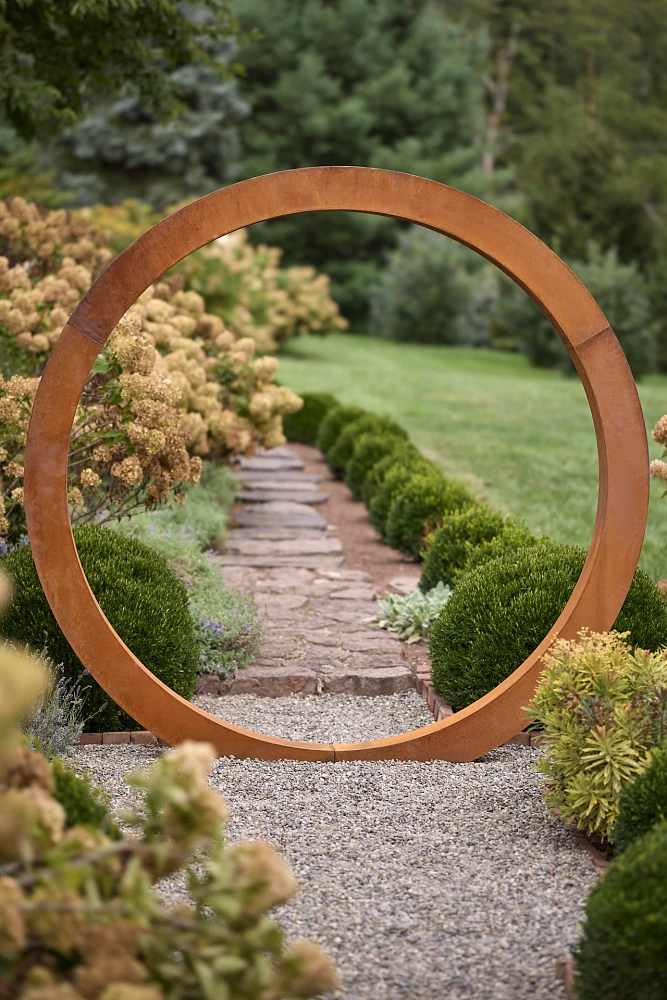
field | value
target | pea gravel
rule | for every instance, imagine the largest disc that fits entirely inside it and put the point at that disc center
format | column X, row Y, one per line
column 421, row 880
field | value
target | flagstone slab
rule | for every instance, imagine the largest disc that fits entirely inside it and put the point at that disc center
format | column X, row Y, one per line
column 271, row 562
column 279, row 476
column 264, row 463
column 283, row 547
column 305, row 496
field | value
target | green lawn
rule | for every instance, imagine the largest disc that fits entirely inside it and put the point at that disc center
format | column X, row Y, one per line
column 520, row 437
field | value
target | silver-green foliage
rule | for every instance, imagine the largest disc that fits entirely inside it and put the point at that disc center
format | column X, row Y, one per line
column 412, row 615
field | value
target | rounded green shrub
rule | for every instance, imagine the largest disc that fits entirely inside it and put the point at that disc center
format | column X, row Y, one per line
column 368, row 451
column 84, row 803
column 403, row 453
column 419, row 508
column 448, row 548
column 395, row 480
column 333, row 423
column 303, row 426
column 643, row 801
column 622, row 953
column 501, row 610
column 514, row 536
column 341, row 452
column 142, row 598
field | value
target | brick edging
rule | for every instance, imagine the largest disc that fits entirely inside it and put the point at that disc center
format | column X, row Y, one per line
column 140, row 736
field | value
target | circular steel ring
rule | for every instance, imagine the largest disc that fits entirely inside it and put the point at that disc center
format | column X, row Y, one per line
column 619, row 426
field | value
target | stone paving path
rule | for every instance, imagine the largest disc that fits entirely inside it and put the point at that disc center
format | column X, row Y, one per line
column 284, row 553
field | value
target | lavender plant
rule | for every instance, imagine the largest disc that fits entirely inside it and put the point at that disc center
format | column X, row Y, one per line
column 57, row 719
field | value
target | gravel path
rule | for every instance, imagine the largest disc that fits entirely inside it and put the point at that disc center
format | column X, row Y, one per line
column 421, row 880
column 336, row 718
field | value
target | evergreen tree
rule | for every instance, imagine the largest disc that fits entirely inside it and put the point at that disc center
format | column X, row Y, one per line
column 365, row 82
column 58, row 57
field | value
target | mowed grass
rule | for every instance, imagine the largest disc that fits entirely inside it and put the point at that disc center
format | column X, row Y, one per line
column 521, row 438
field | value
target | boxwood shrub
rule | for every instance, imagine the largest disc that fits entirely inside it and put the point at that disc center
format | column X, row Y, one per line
column 447, row 549
column 341, row 452
column 622, row 953
column 140, row 595
column 333, row 423
column 514, row 536
column 403, row 453
column 418, row 509
column 643, row 801
column 304, row 425
column 395, row 480
column 368, row 450
column 501, row 610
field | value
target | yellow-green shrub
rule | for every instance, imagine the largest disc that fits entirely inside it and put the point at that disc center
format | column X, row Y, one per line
column 601, row 706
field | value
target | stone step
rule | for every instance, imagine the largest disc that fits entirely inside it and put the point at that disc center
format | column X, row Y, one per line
column 277, row 534
column 270, row 494
column 276, row 682
column 286, row 547
column 286, row 475
column 277, row 562
column 261, row 463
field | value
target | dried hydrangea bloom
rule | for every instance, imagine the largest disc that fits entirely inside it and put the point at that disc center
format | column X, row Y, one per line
column 255, row 297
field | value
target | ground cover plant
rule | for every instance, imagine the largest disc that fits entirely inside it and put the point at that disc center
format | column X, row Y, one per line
column 622, row 948
column 411, row 616
column 140, row 595
column 79, row 919
column 601, row 708
column 520, row 438
column 227, row 623
column 501, row 610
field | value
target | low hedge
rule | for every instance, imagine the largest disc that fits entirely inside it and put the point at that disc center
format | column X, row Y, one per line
column 448, row 549
column 341, row 452
column 368, row 450
column 643, row 802
column 501, row 610
column 514, row 536
column 622, row 953
column 404, row 453
column 140, row 595
column 333, row 423
column 395, row 480
column 303, row 426
column 419, row 507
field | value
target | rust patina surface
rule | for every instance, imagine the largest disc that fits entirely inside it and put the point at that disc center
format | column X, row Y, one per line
column 619, row 427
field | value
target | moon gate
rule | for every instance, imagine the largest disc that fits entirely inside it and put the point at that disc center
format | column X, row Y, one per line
column 619, row 427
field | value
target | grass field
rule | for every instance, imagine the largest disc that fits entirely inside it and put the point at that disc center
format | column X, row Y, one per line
column 519, row 437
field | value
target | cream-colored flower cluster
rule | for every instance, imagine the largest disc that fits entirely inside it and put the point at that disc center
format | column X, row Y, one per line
column 47, row 261
column 33, row 314
column 41, row 240
column 257, row 298
column 229, row 400
column 659, row 466
column 174, row 384
column 78, row 917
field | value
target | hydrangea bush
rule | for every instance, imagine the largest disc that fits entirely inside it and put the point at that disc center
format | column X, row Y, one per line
column 173, row 383
column 246, row 287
